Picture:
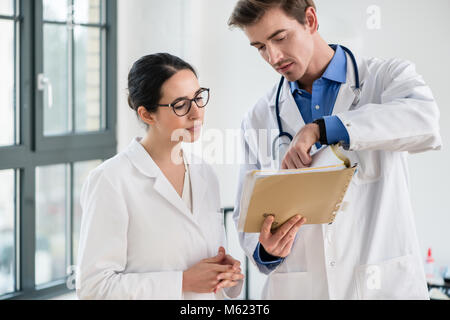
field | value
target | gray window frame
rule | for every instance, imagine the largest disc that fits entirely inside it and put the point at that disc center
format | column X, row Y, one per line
column 35, row 149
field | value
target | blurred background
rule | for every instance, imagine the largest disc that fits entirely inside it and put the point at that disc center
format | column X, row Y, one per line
column 63, row 110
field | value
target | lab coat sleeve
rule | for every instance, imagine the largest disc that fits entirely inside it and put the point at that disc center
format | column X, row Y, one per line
column 248, row 241
column 406, row 119
column 102, row 256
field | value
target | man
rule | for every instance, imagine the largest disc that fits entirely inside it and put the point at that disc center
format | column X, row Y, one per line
column 379, row 110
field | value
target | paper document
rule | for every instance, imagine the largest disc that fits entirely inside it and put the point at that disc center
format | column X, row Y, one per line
column 315, row 193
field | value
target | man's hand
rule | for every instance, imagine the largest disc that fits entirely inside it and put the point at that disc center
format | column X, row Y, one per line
column 280, row 243
column 297, row 155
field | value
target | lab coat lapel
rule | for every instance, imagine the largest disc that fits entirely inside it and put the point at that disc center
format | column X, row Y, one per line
column 346, row 98
column 291, row 118
column 166, row 190
column 199, row 185
column 145, row 164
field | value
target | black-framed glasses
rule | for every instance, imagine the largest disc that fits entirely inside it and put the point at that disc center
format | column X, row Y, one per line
column 182, row 106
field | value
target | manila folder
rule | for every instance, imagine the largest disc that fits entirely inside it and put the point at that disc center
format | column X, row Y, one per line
column 313, row 194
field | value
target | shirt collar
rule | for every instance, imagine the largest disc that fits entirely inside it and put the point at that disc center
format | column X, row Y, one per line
column 336, row 70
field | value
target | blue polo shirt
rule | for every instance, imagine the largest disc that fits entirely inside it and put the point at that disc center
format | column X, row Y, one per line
column 313, row 106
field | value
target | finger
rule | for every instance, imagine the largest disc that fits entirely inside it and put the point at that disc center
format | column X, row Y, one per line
column 222, row 268
column 225, row 284
column 265, row 229
column 303, row 154
column 284, row 229
column 230, row 276
column 220, row 255
column 289, row 163
column 235, row 263
column 230, row 260
column 290, row 236
column 296, row 159
column 286, row 250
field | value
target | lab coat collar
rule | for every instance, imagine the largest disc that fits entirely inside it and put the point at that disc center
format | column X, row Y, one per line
column 140, row 158
column 290, row 116
column 347, row 97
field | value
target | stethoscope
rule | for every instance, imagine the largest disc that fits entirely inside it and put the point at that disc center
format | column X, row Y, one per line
column 282, row 133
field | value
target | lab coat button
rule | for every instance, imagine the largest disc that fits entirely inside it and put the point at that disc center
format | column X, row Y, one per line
column 332, row 263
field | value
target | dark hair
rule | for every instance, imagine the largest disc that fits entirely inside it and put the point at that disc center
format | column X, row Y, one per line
column 248, row 12
column 147, row 76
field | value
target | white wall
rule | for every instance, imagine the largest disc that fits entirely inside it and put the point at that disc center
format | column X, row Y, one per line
column 144, row 27
column 197, row 31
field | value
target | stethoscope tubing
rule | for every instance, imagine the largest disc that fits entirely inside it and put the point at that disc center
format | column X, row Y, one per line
column 277, row 100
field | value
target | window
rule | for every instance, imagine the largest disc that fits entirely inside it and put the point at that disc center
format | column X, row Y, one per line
column 73, row 37
column 8, row 77
column 57, row 123
column 7, row 234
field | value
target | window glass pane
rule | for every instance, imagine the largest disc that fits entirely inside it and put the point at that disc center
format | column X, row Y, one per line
column 87, row 11
column 51, row 206
column 80, row 173
column 7, row 7
column 87, row 79
column 56, row 10
column 56, row 71
column 7, row 248
column 7, row 122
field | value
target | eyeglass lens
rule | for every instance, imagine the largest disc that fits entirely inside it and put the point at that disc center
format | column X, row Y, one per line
column 183, row 106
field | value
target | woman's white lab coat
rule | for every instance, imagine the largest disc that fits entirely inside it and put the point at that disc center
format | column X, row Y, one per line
column 138, row 236
column 371, row 251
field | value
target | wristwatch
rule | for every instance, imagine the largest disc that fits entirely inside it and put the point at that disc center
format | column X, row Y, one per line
column 323, row 132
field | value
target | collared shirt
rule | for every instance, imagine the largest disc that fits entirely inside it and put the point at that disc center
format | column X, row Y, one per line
column 319, row 104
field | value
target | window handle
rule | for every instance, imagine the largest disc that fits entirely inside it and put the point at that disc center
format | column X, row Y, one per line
column 44, row 82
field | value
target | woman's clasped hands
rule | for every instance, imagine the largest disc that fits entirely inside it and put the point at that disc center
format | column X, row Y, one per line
column 213, row 274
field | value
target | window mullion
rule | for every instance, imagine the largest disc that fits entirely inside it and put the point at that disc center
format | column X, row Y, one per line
column 69, row 215
column 27, row 230
column 17, row 220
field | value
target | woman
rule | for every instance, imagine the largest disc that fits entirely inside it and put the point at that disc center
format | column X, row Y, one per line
column 152, row 227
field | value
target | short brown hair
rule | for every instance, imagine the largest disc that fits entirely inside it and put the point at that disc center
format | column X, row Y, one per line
column 248, row 12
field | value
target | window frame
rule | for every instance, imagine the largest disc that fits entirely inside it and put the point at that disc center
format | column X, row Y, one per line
column 79, row 140
column 34, row 149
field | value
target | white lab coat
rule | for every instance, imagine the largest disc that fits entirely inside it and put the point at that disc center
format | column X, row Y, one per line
column 371, row 251
column 138, row 236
